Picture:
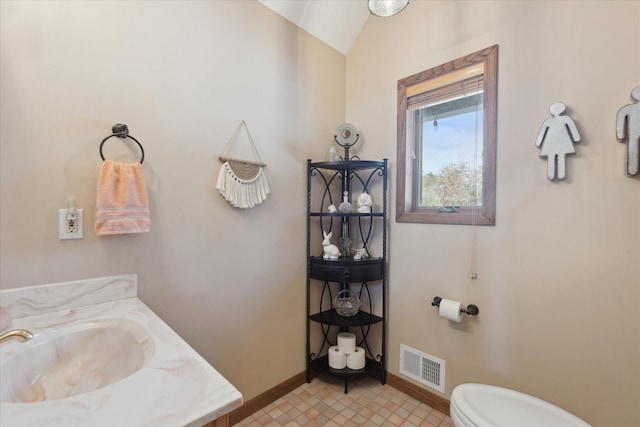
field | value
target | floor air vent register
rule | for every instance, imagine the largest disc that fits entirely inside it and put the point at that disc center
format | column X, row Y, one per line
column 422, row 367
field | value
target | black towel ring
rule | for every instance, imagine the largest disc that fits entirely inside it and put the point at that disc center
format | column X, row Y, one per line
column 121, row 131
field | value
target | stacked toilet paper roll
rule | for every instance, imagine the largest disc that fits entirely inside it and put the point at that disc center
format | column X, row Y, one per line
column 347, row 342
column 346, row 354
column 356, row 360
column 337, row 358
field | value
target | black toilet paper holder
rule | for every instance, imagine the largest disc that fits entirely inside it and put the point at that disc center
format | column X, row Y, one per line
column 471, row 309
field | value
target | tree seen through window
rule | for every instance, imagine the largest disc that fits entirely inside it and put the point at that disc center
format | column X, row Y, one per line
column 450, row 145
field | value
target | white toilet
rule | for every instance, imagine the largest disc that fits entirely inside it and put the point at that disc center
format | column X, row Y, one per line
column 481, row 405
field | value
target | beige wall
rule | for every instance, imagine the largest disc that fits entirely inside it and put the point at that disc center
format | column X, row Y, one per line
column 559, row 275
column 181, row 75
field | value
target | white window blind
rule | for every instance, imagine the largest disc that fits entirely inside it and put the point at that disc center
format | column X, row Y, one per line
column 446, row 93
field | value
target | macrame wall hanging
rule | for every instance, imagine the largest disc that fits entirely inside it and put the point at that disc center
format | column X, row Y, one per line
column 242, row 182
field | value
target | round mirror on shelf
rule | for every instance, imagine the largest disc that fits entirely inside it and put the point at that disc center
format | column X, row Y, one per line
column 346, row 135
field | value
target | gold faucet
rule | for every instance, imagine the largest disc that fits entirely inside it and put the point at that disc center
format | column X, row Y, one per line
column 20, row 334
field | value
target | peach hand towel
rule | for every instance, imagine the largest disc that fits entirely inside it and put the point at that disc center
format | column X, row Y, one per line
column 122, row 205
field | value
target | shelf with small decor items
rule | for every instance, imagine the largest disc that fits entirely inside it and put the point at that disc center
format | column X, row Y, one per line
column 346, row 280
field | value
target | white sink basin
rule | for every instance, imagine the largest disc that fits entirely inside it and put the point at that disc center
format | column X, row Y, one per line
column 100, row 357
column 74, row 359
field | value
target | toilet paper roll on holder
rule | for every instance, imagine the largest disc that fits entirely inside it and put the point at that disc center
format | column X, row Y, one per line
column 471, row 309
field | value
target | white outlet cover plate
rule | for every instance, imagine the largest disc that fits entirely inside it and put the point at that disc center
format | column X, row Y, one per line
column 63, row 229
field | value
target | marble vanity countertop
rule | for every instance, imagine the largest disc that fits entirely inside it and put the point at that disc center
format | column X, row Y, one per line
column 177, row 387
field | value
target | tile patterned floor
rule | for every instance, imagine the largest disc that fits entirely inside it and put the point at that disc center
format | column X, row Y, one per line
column 368, row 403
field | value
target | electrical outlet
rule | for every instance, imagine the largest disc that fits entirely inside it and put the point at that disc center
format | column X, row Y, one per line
column 71, row 221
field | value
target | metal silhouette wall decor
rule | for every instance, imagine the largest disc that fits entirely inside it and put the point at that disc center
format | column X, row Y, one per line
column 628, row 131
column 555, row 140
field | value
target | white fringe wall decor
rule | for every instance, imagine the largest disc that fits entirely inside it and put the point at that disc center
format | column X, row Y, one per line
column 242, row 182
column 242, row 193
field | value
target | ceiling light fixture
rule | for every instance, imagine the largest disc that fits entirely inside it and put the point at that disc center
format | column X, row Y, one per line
column 386, row 8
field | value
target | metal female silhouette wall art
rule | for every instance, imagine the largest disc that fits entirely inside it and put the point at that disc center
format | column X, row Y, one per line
column 628, row 131
column 555, row 140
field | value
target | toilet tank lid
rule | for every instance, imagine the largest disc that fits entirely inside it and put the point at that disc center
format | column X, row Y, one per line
column 491, row 406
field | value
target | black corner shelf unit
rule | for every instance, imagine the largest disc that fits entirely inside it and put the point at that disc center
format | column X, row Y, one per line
column 366, row 277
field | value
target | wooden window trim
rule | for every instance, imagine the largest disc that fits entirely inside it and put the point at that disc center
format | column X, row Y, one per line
column 484, row 215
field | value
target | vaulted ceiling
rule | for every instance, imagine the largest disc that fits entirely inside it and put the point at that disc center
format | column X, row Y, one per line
column 335, row 22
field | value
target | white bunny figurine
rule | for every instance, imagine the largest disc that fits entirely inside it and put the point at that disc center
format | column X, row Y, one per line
column 361, row 254
column 330, row 251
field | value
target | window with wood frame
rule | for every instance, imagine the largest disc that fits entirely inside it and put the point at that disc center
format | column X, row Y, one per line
column 447, row 142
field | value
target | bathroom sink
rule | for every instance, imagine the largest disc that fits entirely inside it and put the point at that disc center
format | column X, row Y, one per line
column 74, row 359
